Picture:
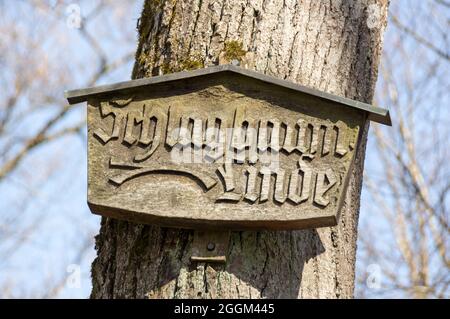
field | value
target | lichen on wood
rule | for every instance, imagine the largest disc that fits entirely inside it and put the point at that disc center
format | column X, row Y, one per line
column 184, row 64
column 234, row 51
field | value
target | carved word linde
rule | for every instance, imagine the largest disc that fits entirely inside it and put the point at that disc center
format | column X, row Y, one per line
column 246, row 152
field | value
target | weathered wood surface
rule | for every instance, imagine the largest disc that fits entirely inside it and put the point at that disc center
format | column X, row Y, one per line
column 220, row 151
column 323, row 44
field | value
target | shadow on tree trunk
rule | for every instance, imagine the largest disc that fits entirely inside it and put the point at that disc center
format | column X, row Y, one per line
column 155, row 262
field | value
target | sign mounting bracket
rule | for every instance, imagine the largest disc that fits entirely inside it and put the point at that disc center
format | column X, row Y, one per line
column 210, row 246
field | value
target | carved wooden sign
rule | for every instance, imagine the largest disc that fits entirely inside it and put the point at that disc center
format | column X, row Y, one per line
column 221, row 147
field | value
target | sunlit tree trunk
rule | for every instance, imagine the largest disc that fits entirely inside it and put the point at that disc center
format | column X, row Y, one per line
column 329, row 45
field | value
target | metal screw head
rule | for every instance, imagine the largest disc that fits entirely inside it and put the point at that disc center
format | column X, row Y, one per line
column 211, row 246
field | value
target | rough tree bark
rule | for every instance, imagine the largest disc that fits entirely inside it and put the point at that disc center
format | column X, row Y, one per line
column 329, row 45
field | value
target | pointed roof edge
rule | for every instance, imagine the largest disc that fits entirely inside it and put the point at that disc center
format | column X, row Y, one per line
column 375, row 114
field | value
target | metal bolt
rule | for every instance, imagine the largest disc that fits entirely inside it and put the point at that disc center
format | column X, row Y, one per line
column 211, row 246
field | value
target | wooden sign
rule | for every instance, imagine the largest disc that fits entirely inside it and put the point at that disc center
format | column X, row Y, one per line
column 222, row 148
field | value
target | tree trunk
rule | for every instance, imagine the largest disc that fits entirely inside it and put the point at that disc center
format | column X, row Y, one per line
column 329, row 45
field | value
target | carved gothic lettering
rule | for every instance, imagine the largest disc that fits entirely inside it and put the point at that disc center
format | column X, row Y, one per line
column 341, row 139
column 133, row 118
column 266, row 174
column 275, row 135
column 280, row 192
column 299, row 189
column 325, row 181
column 302, row 137
column 215, row 140
column 244, row 143
column 226, row 172
column 326, row 140
column 290, row 140
column 152, row 131
column 250, row 191
column 106, row 109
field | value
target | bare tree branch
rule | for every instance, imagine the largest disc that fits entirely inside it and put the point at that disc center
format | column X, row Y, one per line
column 444, row 55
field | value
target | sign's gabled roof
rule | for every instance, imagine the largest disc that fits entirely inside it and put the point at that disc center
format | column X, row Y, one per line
column 375, row 114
